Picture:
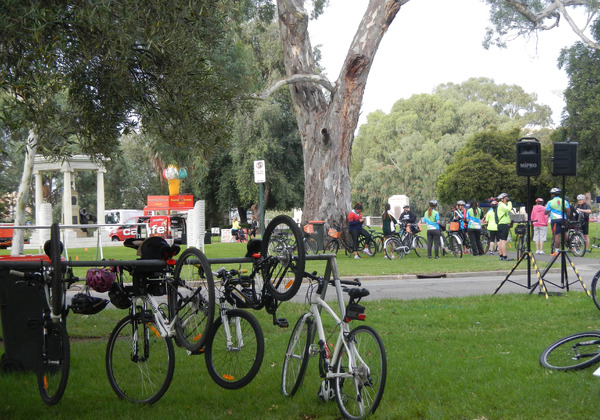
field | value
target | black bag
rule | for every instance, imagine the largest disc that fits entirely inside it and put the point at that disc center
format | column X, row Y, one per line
column 442, row 226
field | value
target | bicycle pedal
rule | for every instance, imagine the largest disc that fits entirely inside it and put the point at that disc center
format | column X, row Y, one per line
column 282, row 323
column 196, row 353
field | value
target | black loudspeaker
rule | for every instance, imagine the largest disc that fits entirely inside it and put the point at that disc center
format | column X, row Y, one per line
column 565, row 159
column 529, row 157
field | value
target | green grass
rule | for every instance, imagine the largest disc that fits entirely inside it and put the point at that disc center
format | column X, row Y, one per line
column 459, row 358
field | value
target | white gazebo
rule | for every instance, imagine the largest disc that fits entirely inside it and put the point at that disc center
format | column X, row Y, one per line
column 68, row 167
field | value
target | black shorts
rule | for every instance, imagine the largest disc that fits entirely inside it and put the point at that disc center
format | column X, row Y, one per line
column 503, row 232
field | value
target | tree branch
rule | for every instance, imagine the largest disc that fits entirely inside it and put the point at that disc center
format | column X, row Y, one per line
column 296, row 78
column 576, row 29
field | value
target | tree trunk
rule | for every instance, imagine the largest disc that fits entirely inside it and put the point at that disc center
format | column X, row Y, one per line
column 327, row 124
column 23, row 194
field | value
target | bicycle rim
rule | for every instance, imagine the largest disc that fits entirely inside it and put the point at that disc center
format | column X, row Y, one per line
column 573, row 352
column 455, row 247
column 53, row 373
column 359, row 395
column 283, row 269
column 195, row 305
column 139, row 362
column 296, row 357
column 594, row 291
column 577, row 244
column 419, row 245
column 234, row 361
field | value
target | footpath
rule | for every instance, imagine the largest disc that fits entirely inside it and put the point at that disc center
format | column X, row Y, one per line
column 411, row 286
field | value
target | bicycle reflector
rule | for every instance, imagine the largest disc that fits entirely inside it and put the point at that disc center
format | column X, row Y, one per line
column 355, row 311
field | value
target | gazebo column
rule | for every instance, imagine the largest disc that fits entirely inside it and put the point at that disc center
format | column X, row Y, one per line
column 100, row 195
column 67, row 196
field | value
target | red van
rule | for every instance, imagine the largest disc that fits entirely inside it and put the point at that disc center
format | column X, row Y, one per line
column 168, row 227
column 128, row 230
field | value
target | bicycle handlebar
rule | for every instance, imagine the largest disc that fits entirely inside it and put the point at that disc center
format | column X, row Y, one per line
column 315, row 277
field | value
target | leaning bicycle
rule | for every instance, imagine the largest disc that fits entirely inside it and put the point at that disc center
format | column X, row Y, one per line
column 140, row 357
column 354, row 368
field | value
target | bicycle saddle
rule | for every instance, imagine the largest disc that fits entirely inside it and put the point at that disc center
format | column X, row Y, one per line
column 356, row 293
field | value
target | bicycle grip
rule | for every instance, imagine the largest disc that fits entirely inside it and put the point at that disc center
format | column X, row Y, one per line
column 355, row 282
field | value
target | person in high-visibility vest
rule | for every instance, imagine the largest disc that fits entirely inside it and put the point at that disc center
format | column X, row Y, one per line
column 555, row 209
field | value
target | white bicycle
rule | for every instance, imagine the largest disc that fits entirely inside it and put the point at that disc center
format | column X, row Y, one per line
column 354, row 368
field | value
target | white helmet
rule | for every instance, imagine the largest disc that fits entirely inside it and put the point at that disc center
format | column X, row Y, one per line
column 555, row 191
column 581, row 197
column 502, row 196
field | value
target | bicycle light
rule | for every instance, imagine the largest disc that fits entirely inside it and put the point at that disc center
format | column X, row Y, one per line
column 355, row 311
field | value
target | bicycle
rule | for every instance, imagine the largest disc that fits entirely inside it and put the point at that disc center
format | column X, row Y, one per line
column 235, row 347
column 521, row 229
column 575, row 240
column 366, row 246
column 140, row 358
column 378, row 238
column 573, row 352
column 354, row 369
column 452, row 241
column 310, row 244
column 404, row 241
column 53, row 371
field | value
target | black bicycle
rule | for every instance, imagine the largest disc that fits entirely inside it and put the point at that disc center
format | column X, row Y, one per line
column 573, row 352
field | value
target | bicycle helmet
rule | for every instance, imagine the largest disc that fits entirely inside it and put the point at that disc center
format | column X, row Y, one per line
column 82, row 303
column 555, row 191
column 460, row 203
column 494, row 203
column 581, row 197
column 99, row 279
column 502, row 196
column 433, row 203
column 539, row 200
column 118, row 297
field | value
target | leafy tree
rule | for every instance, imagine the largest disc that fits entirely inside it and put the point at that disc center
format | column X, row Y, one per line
column 581, row 122
column 513, row 18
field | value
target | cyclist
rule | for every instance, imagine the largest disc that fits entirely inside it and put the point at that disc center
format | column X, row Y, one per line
column 555, row 209
column 492, row 226
column 474, row 216
column 584, row 211
column 407, row 218
column 355, row 227
column 432, row 218
column 503, row 221
column 235, row 228
column 460, row 215
column 540, row 225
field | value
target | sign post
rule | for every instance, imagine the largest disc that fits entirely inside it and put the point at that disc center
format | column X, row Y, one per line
column 260, row 178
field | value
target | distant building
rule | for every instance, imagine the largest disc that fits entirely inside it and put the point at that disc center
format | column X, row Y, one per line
column 397, row 202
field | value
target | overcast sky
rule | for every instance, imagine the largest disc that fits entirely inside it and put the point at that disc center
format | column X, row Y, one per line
column 439, row 41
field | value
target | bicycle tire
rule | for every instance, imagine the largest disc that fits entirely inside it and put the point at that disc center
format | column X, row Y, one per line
column 283, row 269
column 195, row 306
column 53, row 373
column 485, row 242
column 297, row 355
column 145, row 376
column 520, row 246
column 311, row 246
column 333, row 246
column 56, row 284
column 564, row 354
column 366, row 244
column 419, row 245
column 236, row 366
column 577, row 244
column 370, row 378
column 392, row 248
column 594, row 291
column 379, row 241
column 455, row 246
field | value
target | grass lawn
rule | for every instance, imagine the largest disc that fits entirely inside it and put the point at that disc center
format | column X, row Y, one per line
column 456, row 358
column 460, row 358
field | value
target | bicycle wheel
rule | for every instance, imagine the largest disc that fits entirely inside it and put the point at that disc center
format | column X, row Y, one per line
column 139, row 362
column 455, row 246
column 283, row 269
column 297, row 355
column 573, row 352
column 419, row 245
column 195, row 305
column 232, row 362
column 359, row 395
column 379, row 241
column 310, row 246
column 366, row 244
column 485, row 242
column 393, row 248
column 56, row 285
column 332, row 247
column 594, row 291
column 53, row 373
column 577, row 244
column 520, row 246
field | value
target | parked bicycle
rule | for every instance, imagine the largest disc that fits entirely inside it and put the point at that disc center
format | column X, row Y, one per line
column 53, row 279
column 140, row 358
column 378, row 238
column 310, row 244
column 451, row 242
column 574, row 241
column 522, row 237
column 402, row 242
column 337, row 240
column 353, row 369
